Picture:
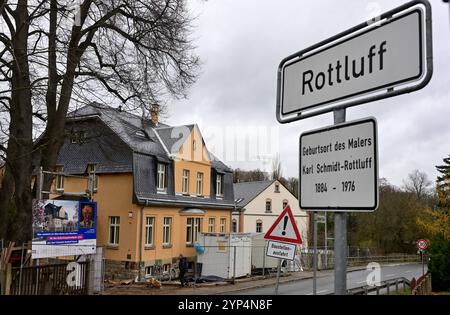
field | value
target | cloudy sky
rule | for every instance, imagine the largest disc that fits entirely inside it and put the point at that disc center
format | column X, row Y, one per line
column 241, row 43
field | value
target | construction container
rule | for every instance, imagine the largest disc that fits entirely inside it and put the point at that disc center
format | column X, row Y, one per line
column 225, row 255
column 259, row 259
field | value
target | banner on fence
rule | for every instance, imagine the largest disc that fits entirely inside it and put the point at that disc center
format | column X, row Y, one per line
column 63, row 228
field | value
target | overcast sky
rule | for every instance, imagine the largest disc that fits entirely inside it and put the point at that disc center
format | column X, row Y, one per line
column 241, row 43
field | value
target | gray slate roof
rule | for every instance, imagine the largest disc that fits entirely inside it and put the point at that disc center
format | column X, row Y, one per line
column 246, row 192
column 126, row 126
column 142, row 145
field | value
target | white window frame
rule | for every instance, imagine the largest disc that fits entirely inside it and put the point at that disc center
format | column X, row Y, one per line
column 193, row 227
column 161, row 177
column 149, row 231
column 91, row 170
column 167, row 227
column 185, row 182
column 59, row 178
column 189, row 229
column 197, row 228
column 200, row 177
column 223, row 223
column 219, row 185
column 114, row 225
column 211, row 225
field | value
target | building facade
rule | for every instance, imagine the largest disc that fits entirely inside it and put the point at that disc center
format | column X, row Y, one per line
column 259, row 204
column 156, row 187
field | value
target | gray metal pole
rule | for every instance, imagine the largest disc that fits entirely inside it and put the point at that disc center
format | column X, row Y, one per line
column 234, row 265
column 315, row 253
column 278, row 276
column 264, row 261
column 326, row 240
column 340, row 236
column 423, row 264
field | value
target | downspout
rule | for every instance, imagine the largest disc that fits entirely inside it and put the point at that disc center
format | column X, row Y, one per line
column 141, row 221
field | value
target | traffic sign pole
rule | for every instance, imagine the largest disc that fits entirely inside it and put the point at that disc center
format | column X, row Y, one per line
column 278, row 276
column 315, row 254
column 340, row 235
column 423, row 264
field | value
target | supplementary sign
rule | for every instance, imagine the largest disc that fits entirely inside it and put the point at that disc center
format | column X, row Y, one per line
column 422, row 245
column 284, row 228
column 281, row 250
column 359, row 63
column 339, row 167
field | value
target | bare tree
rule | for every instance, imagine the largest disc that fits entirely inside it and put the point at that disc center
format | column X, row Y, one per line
column 56, row 56
column 277, row 171
column 418, row 184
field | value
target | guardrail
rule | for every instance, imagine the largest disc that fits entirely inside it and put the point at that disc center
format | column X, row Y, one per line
column 307, row 260
column 352, row 261
column 387, row 284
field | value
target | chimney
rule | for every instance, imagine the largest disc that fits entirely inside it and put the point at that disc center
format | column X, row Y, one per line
column 154, row 114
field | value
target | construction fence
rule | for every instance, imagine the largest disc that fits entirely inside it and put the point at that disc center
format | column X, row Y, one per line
column 19, row 275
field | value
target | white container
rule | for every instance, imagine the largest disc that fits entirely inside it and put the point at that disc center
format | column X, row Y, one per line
column 259, row 258
column 220, row 250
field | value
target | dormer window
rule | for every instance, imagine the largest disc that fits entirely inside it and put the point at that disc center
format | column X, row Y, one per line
column 78, row 137
column 219, row 185
column 59, row 178
column 199, row 184
column 185, row 183
column 91, row 168
column 161, row 178
column 140, row 134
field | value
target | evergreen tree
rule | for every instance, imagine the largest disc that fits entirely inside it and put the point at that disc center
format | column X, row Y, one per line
column 443, row 185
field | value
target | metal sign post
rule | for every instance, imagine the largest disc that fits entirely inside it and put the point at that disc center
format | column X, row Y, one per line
column 340, row 235
column 422, row 245
column 278, row 277
column 423, row 263
column 283, row 237
column 315, row 254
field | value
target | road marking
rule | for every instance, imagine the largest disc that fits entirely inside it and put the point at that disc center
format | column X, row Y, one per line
column 408, row 271
column 360, row 282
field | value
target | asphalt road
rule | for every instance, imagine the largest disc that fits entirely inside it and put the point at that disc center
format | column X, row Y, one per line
column 325, row 281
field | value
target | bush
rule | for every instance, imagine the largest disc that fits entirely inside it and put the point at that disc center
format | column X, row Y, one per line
column 439, row 263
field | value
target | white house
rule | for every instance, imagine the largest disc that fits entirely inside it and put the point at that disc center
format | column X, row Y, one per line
column 258, row 205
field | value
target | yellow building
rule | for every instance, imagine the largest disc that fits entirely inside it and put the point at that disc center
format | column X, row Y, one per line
column 156, row 186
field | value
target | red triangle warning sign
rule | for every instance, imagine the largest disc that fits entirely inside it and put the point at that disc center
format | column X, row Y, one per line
column 284, row 229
